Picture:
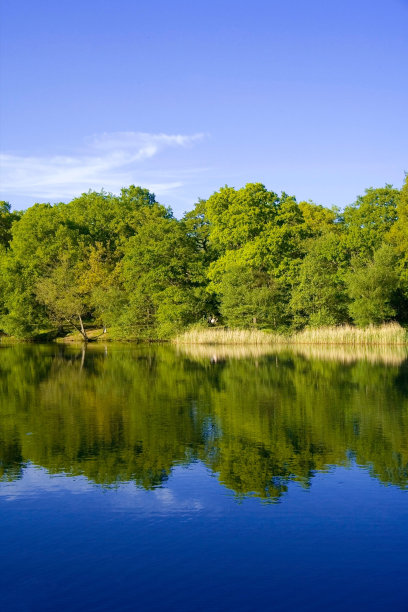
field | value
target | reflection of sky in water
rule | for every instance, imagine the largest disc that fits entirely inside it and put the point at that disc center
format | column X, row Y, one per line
column 175, row 497
column 68, row 544
column 194, row 488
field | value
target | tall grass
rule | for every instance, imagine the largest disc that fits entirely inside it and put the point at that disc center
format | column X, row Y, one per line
column 214, row 335
column 387, row 334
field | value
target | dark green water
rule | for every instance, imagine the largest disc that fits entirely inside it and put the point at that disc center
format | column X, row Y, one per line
column 151, row 478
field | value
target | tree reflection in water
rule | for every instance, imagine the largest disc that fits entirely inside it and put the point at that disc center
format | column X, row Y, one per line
column 258, row 420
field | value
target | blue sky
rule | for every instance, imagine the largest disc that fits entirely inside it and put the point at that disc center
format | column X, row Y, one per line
column 309, row 97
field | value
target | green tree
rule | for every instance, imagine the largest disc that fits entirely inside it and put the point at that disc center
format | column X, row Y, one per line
column 7, row 218
column 260, row 237
column 398, row 236
column 369, row 219
column 320, row 298
column 88, row 238
column 238, row 216
column 249, row 297
column 36, row 240
column 319, row 219
column 248, row 255
column 100, row 281
column 371, row 287
column 164, row 277
column 61, row 294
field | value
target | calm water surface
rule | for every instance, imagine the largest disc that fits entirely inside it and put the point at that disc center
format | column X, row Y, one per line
column 155, row 478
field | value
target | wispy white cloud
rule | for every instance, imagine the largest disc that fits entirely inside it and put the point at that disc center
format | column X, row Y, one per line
column 109, row 160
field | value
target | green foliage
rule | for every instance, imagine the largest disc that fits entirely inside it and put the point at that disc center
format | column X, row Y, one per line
column 7, row 218
column 162, row 272
column 319, row 219
column 371, row 287
column 239, row 216
column 319, row 298
column 198, row 227
column 62, row 295
column 398, row 236
column 245, row 257
column 177, row 308
column 249, row 298
column 369, row 219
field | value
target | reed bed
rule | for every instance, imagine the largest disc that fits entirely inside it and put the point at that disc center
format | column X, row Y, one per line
column 387, row 334
column 214, row 335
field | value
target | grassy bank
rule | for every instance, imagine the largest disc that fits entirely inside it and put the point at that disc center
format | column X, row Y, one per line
column 387, row 334
column 220, row 335
column 49, row 335
column 390, row 334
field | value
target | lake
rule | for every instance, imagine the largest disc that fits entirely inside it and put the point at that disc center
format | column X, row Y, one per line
column 142, row 477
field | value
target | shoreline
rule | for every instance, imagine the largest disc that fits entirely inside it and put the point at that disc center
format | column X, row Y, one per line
column 390, row 334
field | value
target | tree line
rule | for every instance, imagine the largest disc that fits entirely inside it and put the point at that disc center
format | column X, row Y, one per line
column 243, row 258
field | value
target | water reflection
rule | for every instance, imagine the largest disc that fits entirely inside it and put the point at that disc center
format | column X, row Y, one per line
column 389, row 355
column 257, row 420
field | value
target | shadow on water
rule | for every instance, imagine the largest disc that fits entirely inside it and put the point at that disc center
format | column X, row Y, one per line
column 258, row 419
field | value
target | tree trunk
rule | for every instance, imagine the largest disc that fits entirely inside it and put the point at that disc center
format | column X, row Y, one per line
column 83, row 332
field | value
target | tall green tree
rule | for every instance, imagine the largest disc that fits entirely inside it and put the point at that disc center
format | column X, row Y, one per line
column 371, row 287
column 61, row 294
column 238, row 216
column 320, row 297
column 164, row 277
column 260, row 237
column 369, row 219
column 398, row 235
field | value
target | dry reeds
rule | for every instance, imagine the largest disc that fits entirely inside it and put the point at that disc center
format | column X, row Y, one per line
column 387, row 334
column 220, row 335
